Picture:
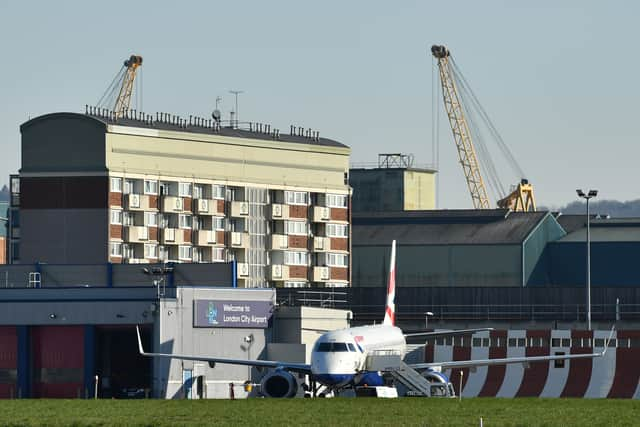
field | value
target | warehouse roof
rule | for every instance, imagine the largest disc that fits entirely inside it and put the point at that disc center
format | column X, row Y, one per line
column 606, row 230
column 444, row 227
column 171, row 124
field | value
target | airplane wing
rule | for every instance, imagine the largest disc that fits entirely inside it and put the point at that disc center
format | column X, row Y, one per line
column 509, row 360
column 434, row 334
column 294, row 367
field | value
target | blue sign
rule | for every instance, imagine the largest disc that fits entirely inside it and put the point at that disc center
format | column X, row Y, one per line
column 232, row 314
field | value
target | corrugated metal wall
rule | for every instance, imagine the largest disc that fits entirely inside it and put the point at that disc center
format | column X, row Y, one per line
column 442, row 265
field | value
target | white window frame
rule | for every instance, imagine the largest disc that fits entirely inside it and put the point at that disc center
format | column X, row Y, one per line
column 115, row 217
column 217, row 254
column 184, row 189
column 217, row 223
column 150, row 186
column 296, row 198
column 115, row 249
column 127, row 250
column 151, row 251
column 336, row 260
column 188, row 249
column 116, row 184
column 128, row 218
column 296, row 228
column 296, row 258
column 295, row 284
column 129, row 186
column 336, row 200
column 151, row 219
column 182, row 218
column 200, row 191
column 218, row 192
column 337, row 230
column 163, row 252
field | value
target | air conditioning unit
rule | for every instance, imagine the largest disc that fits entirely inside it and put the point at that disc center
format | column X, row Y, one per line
column 236, row 239
column 212, row 236
column 179, row 205
column 284, row 242
column 276, row 271
column 169, row 234
column 134, row 201
column 324, row 273
column 244, row 208
column 203, row 205
column 318, row 243
column 144, row 234
column 276, row 211
column 243, row 269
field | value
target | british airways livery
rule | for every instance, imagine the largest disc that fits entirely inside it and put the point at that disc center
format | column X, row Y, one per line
column 365, row 355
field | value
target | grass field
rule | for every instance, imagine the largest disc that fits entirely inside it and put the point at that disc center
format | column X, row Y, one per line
column 348, row 412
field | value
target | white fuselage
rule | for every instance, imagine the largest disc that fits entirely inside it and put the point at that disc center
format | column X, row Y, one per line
column 339, row 356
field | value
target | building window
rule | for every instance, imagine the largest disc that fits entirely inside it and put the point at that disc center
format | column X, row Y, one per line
column 185, row 252
column 217, row 254
column 151, row 219
column 199, row 191
column 296, row 258
column 129, row 186
column 217, row 223
column 291, row 284
column 296, row 197
column 184, row 189
column 116, row 217
column 165, row 188
column 116, row 185
column 151, row 251
column 337, row 230
column 150, row 187
column 128, row 218
column 185, row 221
column 163, row 253
column 336, row 200
column 127, row 250
column 115, row 249
column 218, row 192
column 336, row 260
column 300, row 228
column 336, row 285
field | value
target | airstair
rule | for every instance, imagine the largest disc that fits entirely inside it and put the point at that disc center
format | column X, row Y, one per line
column 415, row 383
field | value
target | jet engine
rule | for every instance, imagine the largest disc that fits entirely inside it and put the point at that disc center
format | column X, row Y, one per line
column 279, row 384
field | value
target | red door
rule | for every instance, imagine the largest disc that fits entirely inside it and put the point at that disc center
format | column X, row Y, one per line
column 58, row 361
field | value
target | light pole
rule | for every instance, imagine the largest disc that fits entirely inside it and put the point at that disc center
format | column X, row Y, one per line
column 236, row 93
column 426, row 319
column 591, row 194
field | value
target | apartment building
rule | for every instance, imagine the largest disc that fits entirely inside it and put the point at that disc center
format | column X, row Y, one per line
column 148, row 189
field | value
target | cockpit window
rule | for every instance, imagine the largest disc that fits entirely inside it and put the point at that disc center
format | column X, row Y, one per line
column 339, row 346
column 334, row 346
column 324, row 347
column 351, row 347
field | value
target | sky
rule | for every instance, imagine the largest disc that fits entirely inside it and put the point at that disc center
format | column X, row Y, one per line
column 558, row 79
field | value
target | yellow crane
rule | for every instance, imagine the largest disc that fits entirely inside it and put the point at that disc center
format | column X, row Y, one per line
column 118, row 94
column 521, row 197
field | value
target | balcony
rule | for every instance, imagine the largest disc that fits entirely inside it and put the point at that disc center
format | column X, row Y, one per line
column 321, row 244
column 205, row 237
column 135, row 234
column 239, row 209
column 279, row 241
column 209, row 207
column 239, row 239
column 172, row 204
column 242, row 269
column 321, row 274
column 136, row 202
column 171, row 236
column 288, row 272
column 321, row 214
column 279, row 211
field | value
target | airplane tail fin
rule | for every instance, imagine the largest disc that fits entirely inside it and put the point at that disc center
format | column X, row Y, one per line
column 390, row 310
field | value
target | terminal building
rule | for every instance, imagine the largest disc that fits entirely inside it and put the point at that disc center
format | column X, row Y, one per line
column 143, row 189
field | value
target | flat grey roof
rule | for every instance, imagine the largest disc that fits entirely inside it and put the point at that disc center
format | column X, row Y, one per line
column 448, row 227
column 223, row 131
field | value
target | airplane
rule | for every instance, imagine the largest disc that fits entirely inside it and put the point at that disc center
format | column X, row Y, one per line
column 339, row 358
